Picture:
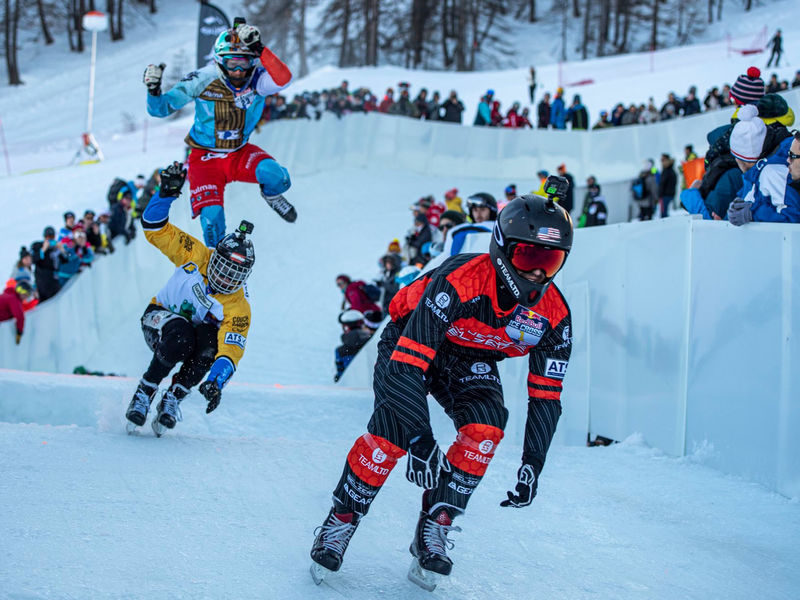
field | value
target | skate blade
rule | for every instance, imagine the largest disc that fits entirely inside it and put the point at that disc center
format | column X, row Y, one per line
column 318, row 572
column 132, row 428
column 425, row 579
column 158, row 428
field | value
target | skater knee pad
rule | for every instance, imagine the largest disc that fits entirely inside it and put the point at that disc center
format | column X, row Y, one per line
column 212, row 220
column 372, row 458
column 274, row 179
column 474, row 448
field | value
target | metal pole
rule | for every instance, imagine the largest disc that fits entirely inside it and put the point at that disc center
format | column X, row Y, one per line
column 91, row 83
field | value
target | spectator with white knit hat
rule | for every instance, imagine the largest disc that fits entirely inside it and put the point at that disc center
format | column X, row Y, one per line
column 747, row 138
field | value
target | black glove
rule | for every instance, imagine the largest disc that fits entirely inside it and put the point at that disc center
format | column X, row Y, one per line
column 425, row 458
column 212, row 394
column 18, row 338
column 172, row 179
column 527, row 482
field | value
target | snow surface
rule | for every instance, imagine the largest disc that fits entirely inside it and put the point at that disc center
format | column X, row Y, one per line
column 225, row 506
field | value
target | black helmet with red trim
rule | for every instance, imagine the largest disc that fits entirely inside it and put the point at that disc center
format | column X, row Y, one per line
column 530, row 244
column 232, row 261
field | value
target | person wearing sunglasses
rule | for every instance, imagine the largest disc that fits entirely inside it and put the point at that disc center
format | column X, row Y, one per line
column 448, row 330
column 770, row 190
column 229, row 97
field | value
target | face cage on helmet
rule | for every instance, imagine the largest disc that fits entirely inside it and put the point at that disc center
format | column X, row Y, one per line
column 224, row 275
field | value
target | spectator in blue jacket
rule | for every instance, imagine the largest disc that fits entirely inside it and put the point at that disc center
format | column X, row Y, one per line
column 558, row 112
column 769, row 192
column 484, row 115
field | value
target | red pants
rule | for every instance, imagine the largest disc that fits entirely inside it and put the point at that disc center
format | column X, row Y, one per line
column 210, row 172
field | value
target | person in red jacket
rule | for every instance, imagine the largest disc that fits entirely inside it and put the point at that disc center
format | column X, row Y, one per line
column 355, row 296
column 11, row 304
column 497, row 118
column 512, row 117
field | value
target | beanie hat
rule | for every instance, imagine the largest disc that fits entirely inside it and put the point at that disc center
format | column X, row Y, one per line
column 748, row 87
column 450, row 194
column 23, row 252
column 773, row 108
column 394, row 246
column 747, row 137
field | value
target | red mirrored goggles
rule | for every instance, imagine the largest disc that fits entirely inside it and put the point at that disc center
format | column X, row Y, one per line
column 529, row 257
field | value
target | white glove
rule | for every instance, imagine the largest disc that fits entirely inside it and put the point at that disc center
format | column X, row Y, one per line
column 251, row 37
column 152, row 78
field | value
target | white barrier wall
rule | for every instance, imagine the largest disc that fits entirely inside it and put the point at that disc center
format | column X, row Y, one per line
column 683, row 332
column 69, row 328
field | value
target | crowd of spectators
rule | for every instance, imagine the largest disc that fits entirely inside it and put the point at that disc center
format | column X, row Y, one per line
column 47, row 265
column 750, row 171
column 552, row 111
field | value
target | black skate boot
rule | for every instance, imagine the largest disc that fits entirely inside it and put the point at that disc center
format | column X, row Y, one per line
column 169, row 411
column 430, row 546
column 281, row 206
column 332, row 539
column 140, row 404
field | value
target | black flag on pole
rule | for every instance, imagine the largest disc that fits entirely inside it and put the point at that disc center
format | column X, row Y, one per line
column 212, row 22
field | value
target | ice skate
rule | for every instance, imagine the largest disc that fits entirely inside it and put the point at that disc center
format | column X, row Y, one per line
column 429, row 547
column 332, row 539
column 281, row 206
column 140, row 405
column 169, row 411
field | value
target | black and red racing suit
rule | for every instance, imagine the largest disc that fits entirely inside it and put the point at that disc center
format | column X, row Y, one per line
column 448, row 331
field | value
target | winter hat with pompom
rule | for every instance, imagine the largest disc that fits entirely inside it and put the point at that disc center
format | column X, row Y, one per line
column 748, row 88
column 747, row 137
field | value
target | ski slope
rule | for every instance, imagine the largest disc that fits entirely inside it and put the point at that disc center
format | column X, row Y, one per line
column 225, row 506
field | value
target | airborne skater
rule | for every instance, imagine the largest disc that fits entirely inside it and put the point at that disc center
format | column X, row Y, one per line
column 200, row 318
column 229, row 99
column 447, row 332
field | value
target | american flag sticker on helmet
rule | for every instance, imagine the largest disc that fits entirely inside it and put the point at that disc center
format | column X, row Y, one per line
column 548, row 234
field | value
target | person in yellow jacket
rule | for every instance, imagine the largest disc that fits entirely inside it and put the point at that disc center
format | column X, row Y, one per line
column 200, row 318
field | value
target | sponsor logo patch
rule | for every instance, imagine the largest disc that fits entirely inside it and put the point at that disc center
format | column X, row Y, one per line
column 480, row 368
column 240, row 323
column 189, row 268
column 378, row 456
column 200, row 294
column 436, row 310
column 210, row 94
column 555, row 368
column 526, row 326
column 235, row 339
column 486, row 446
column 229, row 134
column 509, row 280
column 442, row 300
